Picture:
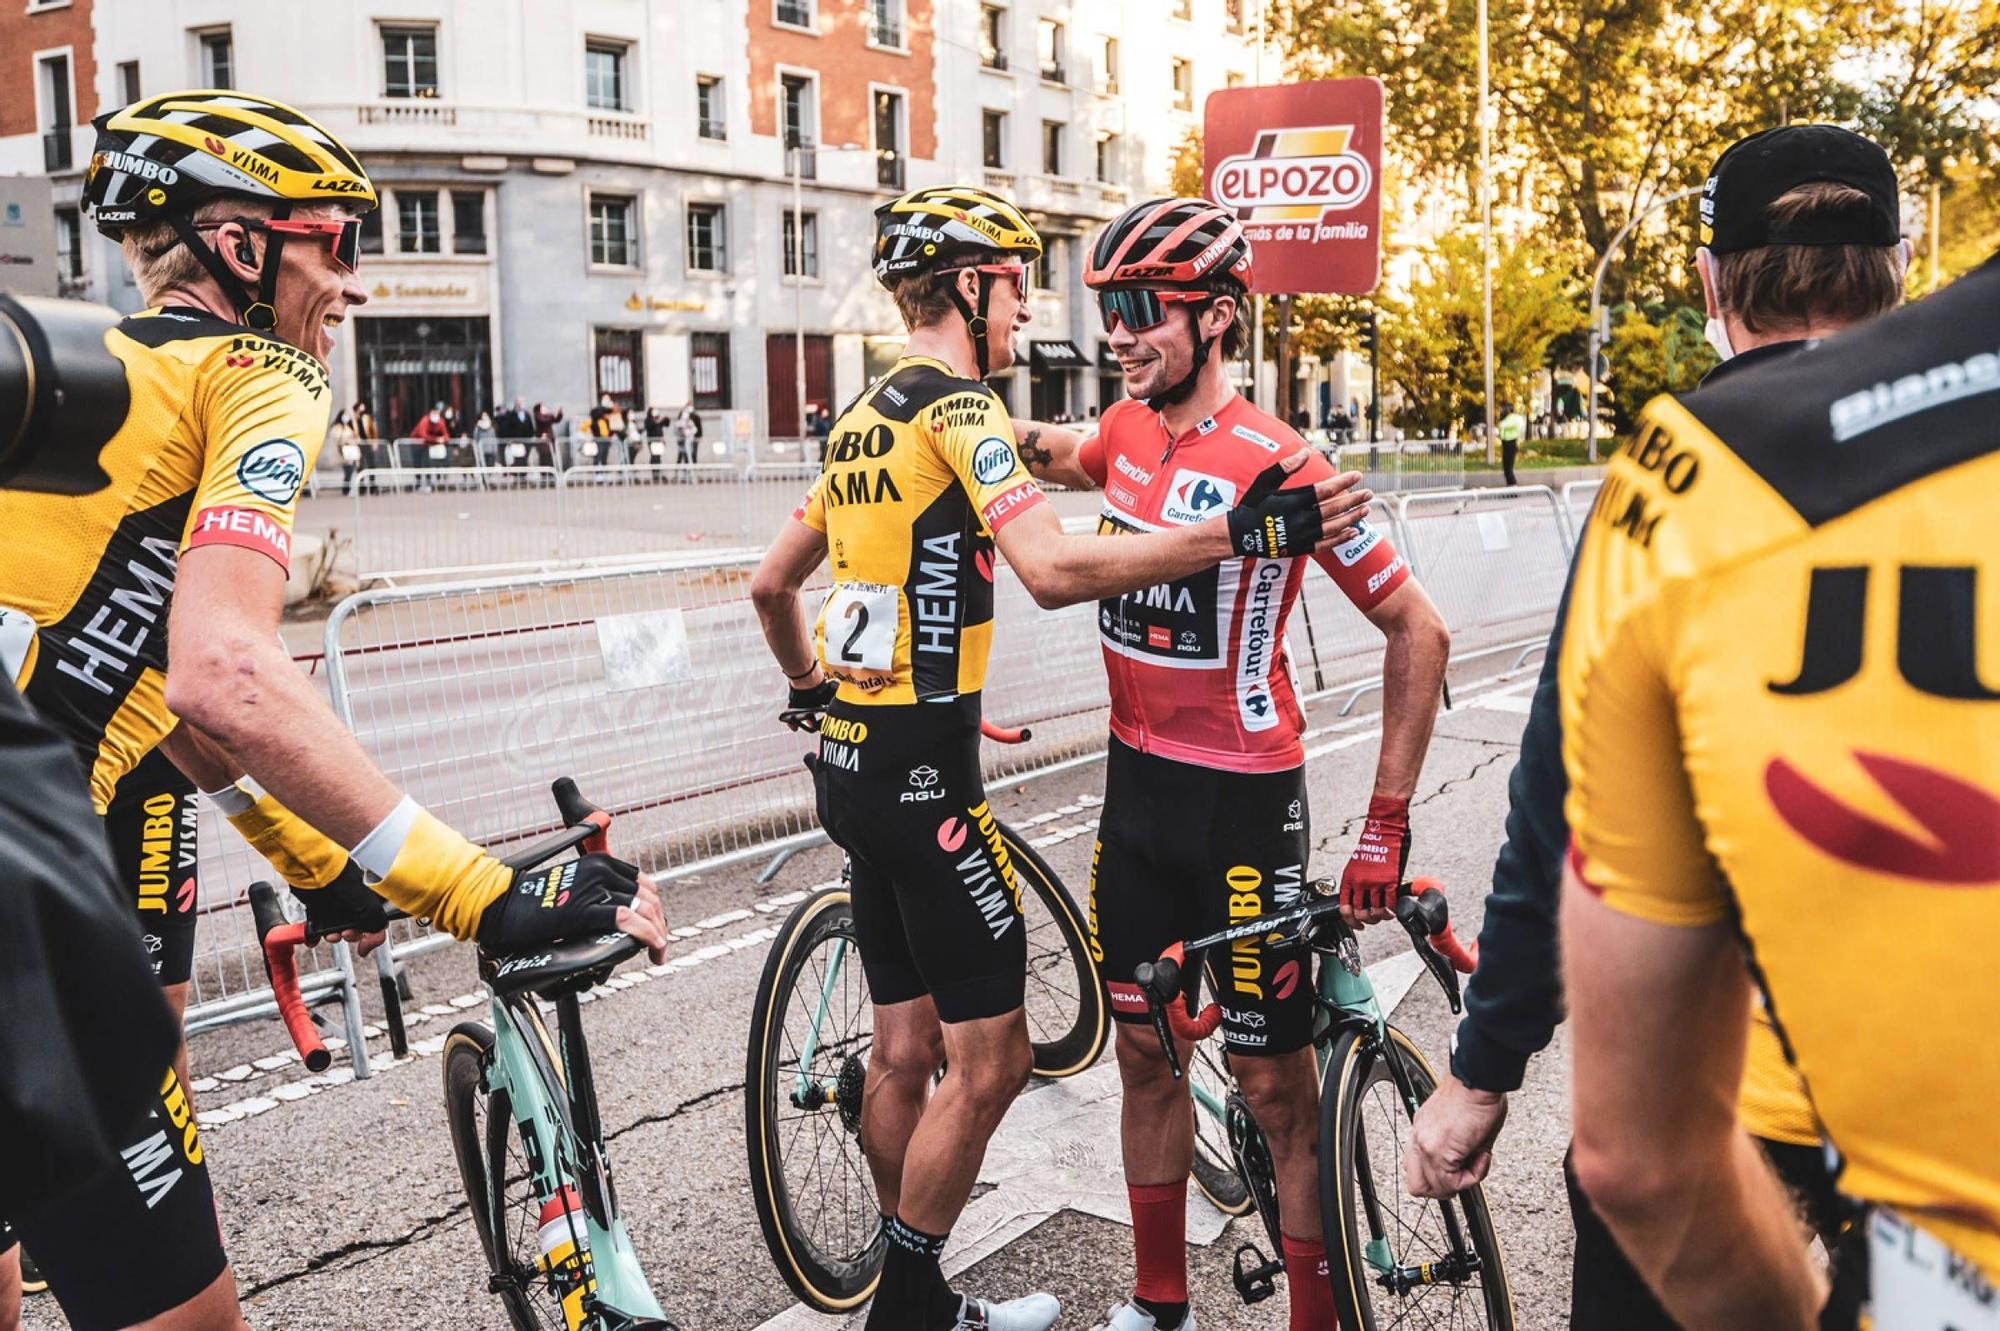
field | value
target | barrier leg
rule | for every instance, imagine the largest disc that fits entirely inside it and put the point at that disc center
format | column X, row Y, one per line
column 350, row 1007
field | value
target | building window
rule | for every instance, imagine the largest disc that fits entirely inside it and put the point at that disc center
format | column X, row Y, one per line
column 793, row 13
column 885, row 23
column 708, row 108
column 1107, row 157
column 799, row 107
column 1183, row 85
column 417, row 222
column 804, row 254
column 128, row 81
column 889, row 139
column 1049, row 42
column 1107, row 65
column 468, row 222
column 708, row 370
column 621, row 374
column 995, row 131
column 604, row 77
column 1233, row 13
column 708, row 238
column 614, row 240
column 371, row 231
column 218, row 59
column 58, row 153
column 993, row 37
column 409, row 62
column 1052, row 268
column 69, row 245
column 1052, row 137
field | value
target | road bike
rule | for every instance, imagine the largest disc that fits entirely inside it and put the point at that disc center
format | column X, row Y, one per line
column 522, row 1108
column 810, row 1036
column 1392, row 1260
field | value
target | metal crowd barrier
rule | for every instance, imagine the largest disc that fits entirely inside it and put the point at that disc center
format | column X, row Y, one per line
column 1578, row 497
column 1494, row 560
column 430, row 520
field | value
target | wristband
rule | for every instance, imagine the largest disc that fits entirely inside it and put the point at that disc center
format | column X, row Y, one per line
column 803, row 673
column 377, row 852
column 438, row 873
column 231, row 800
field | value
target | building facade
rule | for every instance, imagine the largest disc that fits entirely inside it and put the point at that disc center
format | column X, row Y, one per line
column 597, row 198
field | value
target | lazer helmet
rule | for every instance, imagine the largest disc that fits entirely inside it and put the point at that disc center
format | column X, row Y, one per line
column 162, row 157
column 1166, row 252
column 949, row 227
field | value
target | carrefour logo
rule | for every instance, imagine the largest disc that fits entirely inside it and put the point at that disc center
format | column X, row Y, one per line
column 992, row 461
column 1295, row 173
column 1193, row 496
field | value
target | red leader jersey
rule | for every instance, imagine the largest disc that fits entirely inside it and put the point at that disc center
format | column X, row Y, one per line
column 1198, row 667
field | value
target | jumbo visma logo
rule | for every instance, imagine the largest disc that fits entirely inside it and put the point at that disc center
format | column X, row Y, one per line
column 1295, row 175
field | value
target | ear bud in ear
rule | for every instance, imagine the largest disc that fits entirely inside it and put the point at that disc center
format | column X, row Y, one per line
column 244, row 254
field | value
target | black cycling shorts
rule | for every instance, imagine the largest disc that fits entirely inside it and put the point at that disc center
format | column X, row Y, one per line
column 936, row 905
column 151, row 825
column 1184, row 851
column 139, row 1239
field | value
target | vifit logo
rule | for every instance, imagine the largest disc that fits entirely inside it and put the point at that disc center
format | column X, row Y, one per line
column 1295, row 175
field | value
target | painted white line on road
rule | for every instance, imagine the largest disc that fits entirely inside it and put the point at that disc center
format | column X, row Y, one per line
column 1057, row 1150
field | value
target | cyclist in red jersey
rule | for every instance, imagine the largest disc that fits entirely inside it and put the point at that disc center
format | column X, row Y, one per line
column 1204, row 812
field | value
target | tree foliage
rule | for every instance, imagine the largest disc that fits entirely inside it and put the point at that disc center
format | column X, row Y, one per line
column 1652, row 352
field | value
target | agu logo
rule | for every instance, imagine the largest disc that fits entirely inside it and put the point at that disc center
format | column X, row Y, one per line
column 273, row 470
column 1295, row 175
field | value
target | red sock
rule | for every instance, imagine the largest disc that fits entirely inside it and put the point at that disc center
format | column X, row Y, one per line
column 1306, row 1281
column 1159, row 1240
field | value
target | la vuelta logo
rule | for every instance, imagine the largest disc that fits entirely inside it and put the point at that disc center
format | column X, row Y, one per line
column 1295, row 175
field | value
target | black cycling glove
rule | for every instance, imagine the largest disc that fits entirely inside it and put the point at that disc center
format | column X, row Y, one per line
column 342, row 904
column 573, row 899
column 803, row 706
column 1271, row 523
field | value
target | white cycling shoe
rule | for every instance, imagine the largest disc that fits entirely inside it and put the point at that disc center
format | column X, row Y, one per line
column 1129, row 1316
column 1035, row 1312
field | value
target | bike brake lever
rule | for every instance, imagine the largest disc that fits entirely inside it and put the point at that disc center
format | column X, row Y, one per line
column 1411, row 916
column 1157, row 1010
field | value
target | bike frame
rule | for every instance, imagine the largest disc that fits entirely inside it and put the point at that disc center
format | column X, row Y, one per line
column 555, row 1113
column 811, row 1048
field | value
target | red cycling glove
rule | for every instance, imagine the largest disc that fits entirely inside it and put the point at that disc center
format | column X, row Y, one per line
column 1375, row 870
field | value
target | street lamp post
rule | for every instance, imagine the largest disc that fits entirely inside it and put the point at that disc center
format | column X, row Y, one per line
column 1486, row 221
column 1596, row 294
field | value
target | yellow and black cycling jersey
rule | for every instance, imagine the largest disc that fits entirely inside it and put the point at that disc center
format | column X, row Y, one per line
column 920, row 472
column 1781, row 708
column 222, row 428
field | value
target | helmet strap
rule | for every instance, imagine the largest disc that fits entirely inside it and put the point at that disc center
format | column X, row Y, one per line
column 1179, row 392
column 256, row 312
column 975, row 320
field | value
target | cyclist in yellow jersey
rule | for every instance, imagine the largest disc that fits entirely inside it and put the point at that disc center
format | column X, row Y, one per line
column 145, row 616
column 1783, row 745
column 921, row 488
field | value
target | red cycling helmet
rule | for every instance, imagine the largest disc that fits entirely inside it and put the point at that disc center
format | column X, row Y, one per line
column 1171, row 243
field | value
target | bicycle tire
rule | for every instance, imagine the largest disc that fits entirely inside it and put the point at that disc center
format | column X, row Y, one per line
column 829, row 1281
column 1215, row 1171
column 1063, row 983
column 1355, row 1069
column 468, row 1051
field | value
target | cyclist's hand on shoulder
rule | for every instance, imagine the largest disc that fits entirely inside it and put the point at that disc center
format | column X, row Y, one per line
column 804, row 705
column 1375, row 870
column 1273, row 522
column 592, row 894
column 1451, row 1139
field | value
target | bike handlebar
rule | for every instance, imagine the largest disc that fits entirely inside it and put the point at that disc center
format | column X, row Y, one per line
column 589, row 829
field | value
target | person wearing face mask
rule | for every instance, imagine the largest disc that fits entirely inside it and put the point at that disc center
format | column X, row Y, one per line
column 1803, row 241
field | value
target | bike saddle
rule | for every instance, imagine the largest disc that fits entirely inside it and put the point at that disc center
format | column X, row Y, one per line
column 554, row 969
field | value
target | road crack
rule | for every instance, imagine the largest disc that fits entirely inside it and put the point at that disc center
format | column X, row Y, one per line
column 1348, row 828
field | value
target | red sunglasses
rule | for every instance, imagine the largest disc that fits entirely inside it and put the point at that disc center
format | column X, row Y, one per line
column 1019, row 271
column 343, row 235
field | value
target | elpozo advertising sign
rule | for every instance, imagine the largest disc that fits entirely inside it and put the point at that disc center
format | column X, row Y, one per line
column 1301, row 165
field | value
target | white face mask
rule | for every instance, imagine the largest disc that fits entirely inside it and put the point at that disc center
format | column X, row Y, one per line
column 1718, row 337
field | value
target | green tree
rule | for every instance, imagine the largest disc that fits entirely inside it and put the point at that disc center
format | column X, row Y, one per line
column 1652, row 352
column 1431, row 334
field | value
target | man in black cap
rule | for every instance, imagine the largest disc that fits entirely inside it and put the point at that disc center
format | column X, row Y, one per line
column 1803, row 241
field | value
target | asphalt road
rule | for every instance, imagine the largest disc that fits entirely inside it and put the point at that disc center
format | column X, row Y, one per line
column 342, row 1208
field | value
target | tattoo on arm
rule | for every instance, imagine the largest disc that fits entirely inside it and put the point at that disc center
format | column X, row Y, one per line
column 1037, row 457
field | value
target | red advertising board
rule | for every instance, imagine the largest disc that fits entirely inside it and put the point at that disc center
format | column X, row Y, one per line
column 1302, row 166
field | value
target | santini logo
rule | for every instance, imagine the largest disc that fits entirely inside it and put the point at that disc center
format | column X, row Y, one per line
column 1884, row 404
column 1295, row 174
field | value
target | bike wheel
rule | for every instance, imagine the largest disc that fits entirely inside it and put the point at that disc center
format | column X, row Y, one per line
column 1067, row 1020
column 1214, row 1166
column 476, row 1117
column 1395, row 1260
column 810, row 1035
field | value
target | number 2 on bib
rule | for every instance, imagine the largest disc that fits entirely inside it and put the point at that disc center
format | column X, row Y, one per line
column 859, row 627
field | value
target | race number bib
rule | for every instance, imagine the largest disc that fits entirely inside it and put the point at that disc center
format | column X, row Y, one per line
column 1917, row 1283
column 860, row 625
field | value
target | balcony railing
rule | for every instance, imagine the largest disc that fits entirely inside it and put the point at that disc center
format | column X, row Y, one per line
column 618, row 127
column 886, row 32
column 808, row 157
column 58, row 149
column 712, row 129
column 407, row 113
column 1052, row 71
column 993, row 59
column 889, row 168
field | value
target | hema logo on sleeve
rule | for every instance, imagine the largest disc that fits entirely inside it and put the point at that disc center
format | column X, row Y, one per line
column 273, row 470
column 1195, row 496
column 992, row 461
